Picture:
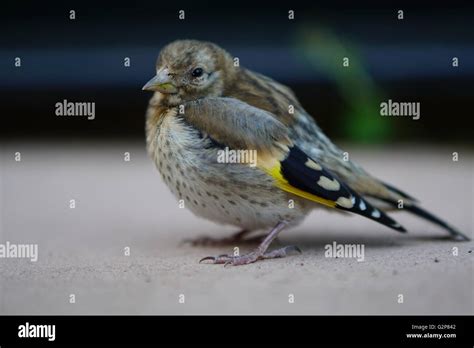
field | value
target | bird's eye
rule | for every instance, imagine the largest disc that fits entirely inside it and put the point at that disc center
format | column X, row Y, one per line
column 197, row 72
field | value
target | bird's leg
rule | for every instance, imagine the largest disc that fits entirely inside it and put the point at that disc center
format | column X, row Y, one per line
column 232, row 240
column 258, row 254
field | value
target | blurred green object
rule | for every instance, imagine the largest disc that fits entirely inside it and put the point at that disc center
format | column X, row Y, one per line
column 326, row 53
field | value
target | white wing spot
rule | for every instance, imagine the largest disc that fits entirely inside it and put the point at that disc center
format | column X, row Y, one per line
column 328, row 184
column 362, row 205
column 313, row 165
column 375, row 214
column 345, row 202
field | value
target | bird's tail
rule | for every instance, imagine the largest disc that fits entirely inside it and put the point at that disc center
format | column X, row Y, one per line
column 430, row 217
column 416, row 210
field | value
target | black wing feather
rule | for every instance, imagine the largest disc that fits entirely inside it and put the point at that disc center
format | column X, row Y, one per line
column 295, row 170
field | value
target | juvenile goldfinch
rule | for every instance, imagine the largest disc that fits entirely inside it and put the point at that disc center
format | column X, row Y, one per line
column 203, row 104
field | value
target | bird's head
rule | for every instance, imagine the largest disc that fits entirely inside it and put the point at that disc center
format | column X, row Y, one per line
column 187, row 70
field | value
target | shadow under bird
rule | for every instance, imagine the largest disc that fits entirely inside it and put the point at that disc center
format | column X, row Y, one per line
column 204, row 104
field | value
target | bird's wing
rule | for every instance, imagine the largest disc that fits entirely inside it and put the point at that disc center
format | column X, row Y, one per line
column 267, row 94
column 236, row 124
column 361, row 181
column 241, row 126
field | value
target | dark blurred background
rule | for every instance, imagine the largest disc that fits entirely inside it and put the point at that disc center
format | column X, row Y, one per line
column 406, row 60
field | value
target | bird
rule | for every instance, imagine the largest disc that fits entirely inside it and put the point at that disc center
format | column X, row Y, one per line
column 205, row 103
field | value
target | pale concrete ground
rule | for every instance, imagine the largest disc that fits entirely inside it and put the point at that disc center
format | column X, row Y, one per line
column 123, row 204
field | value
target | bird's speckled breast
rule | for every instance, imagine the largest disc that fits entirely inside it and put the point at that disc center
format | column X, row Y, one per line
column 234, row 194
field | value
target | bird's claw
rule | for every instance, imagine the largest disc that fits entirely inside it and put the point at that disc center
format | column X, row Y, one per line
column 282, row 252
column 220, row 259
column 251, row 257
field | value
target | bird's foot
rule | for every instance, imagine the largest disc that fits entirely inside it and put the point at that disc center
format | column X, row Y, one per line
column 237, row 238
column 251, row 257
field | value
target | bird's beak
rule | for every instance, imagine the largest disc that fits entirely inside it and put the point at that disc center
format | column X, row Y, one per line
column 161, row 83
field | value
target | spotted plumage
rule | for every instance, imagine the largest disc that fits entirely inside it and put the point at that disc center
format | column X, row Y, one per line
column 203, row 103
